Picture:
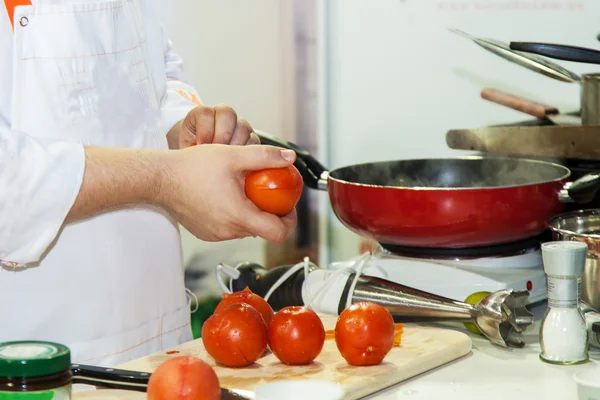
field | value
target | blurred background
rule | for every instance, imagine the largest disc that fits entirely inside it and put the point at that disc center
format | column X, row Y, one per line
column 355, row 81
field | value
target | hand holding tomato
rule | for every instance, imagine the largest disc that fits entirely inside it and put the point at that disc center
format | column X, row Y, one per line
column 184, row 378
column 202, row 187
column 296, row 335
column 275, row 190
column 364, row 333
column 235, row 337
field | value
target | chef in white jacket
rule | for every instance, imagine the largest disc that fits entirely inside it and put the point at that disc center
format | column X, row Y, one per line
column 91, row 100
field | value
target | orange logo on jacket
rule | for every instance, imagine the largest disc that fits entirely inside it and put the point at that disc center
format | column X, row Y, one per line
column 189, row 96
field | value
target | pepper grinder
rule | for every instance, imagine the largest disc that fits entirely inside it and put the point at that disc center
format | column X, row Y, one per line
column 563, row 333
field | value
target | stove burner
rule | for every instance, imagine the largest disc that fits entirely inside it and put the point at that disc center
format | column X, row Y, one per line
column 512, row 248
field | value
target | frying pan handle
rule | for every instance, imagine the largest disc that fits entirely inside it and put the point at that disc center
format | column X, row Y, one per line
column 312, row 171
column 559, row 51
column 110, row 378
column 583, row 190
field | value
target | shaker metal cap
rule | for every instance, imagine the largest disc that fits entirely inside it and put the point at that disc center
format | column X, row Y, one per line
column 564, row 257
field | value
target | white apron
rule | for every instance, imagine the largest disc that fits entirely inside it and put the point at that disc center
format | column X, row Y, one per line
column 112, row 287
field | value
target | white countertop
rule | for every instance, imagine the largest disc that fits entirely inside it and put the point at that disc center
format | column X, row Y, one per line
column 491, row 372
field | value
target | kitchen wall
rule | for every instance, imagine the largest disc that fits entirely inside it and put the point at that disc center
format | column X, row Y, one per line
column 241, row 53
column 396, row 80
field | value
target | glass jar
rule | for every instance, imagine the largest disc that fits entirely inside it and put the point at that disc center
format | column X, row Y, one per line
column 564, row 333
column 32, row 370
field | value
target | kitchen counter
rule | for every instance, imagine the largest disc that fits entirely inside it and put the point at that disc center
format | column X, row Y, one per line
column 491, row 372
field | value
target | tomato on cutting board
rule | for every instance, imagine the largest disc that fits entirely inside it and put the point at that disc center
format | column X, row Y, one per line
column 235, row 337
column 364, row 333
column 248, row 297
column 275, row 190
column 184, row 378
column 296, row 335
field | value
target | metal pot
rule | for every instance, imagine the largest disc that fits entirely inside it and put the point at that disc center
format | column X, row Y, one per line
column 590, row 99
column 590, row 83
column 583, row 226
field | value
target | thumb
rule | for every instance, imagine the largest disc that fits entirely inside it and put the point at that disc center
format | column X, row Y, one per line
column 256, row 157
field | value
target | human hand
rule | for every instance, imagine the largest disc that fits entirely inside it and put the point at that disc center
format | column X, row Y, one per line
column 219, row 124
column 203, row 188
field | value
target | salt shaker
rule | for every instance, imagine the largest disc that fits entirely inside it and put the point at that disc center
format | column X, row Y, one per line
column 564, row 334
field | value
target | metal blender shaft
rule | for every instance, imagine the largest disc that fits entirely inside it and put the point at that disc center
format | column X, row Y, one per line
column 501, row 316
column 409, row 304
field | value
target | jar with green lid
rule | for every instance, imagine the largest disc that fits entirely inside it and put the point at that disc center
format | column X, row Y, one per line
column 31, row 370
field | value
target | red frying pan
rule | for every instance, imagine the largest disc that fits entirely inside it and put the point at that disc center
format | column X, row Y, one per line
column 445, row 203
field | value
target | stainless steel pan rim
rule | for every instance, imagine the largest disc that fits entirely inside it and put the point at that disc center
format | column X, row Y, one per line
column 555, row 223
column 331, row 175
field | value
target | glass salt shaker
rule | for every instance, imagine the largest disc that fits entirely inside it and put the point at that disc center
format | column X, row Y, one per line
column 564, row 334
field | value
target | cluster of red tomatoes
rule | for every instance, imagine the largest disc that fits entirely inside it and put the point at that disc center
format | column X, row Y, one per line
column 244, row 325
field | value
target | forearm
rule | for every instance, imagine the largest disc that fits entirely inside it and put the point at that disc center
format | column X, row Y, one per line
column 115, row 178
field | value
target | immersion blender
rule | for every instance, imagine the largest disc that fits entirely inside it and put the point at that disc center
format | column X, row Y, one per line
column 501, row 316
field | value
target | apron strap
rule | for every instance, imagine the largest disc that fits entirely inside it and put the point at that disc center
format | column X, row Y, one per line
column 10, row 8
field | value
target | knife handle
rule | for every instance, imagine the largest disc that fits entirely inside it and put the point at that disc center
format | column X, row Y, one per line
column 110, row 378
column 260, row 280
column 517, row 103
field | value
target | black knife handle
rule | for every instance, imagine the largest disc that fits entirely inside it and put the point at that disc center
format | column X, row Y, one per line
column 260, row 280
column 110, row 378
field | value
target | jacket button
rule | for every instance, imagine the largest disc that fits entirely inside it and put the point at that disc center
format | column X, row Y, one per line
column 23, row 21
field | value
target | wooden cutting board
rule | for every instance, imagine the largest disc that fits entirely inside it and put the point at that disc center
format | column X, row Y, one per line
column 109, row 395
column 423, row 348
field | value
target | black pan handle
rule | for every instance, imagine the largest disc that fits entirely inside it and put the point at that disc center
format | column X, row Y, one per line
column 559, row 51
column 585, row 189
column 110, row 378
column 310, row 169
column 260, row 280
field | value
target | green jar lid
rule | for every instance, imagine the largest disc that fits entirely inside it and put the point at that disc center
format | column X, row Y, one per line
column 28, row 359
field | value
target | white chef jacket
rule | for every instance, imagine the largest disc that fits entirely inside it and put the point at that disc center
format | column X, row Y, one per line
column 80, row 73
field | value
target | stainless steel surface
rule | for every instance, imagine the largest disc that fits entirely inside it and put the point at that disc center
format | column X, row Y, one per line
column 501, row 316
column 576, row 142
column 322, row 183
column 592, row 320
column 563, row 195
column 532, row 62
column 565, row 119
column 583, row 226
column 590, row 99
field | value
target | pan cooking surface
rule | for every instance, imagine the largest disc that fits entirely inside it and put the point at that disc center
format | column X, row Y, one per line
column 468, row 172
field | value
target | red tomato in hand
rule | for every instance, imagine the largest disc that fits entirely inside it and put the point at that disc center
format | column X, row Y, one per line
column 296, row 335
column 184, row 378
column 364, row 333
column 246, row 296
column 275, row 190
column 236, row 337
